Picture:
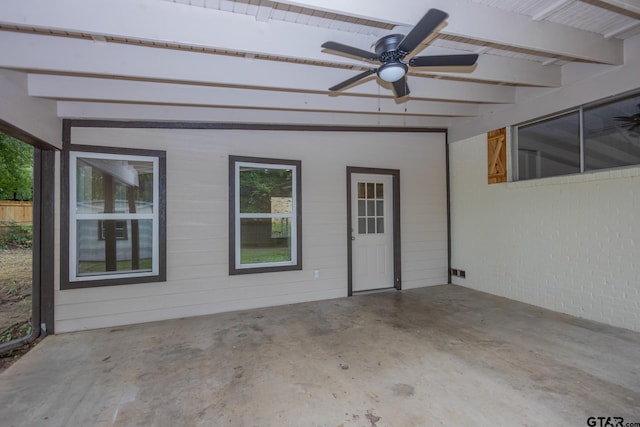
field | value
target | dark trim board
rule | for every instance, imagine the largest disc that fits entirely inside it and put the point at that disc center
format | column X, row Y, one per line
column 46, row 227
column 448, row 173
column 397, row 253
column 26, row 137
column 141, row 124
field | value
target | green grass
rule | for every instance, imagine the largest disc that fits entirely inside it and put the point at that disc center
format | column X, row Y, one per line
column 260, row 255
column 99, row 266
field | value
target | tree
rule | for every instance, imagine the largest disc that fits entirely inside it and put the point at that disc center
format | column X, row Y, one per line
column 16, row 169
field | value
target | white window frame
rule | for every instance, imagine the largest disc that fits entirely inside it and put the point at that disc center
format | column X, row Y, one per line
column 74, row 217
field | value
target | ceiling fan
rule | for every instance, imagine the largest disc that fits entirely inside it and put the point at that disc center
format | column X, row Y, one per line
column 632, row 122
column 391, row 51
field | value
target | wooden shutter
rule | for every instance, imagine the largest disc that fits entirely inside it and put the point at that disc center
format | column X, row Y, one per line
column 497, row 155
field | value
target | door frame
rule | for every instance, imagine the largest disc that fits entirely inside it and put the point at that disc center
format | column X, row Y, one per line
column 395, row 174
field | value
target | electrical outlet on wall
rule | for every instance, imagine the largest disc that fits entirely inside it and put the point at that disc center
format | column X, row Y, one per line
column 316, row 274
column 458, row 273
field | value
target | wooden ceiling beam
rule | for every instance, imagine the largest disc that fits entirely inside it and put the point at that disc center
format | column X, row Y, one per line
column 130, row 91
column 36, row 52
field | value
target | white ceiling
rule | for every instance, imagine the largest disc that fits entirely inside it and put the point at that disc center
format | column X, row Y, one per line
column 249, row 60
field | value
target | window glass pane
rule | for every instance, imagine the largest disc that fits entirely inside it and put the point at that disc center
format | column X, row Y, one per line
column 264, row 190
column 362, row 226
column 370, row 190
column 112, row 246
column 120, row 228
column 612, row 134
column 361, row 208
column 379, row 208
column 550, row 147
column 371, row 225
column 108, row 186
column 371, row 208
column 361, row 191
column 380, row 225
column 265, row 240
column 379, row 191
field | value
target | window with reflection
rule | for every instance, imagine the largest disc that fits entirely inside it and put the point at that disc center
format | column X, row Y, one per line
column 600, row 135
column 265, row 219
column 549, row 147
column 114, row 216
column 612, row 134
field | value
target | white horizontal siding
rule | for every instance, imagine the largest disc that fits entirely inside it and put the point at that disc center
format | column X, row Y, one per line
column 197, row 221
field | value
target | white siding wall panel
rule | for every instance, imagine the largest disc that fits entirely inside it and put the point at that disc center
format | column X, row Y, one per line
column 197, row 221
column 568, row 243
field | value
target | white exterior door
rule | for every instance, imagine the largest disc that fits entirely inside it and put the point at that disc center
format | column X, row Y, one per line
column 372, row 231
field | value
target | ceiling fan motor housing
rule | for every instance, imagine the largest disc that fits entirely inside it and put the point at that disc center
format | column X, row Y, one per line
column 387, row 48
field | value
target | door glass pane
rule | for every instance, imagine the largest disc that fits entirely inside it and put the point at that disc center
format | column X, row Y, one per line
column 265, row 240
column 370, row 191
column 362, row 226
column 371, row 225
column 612, row 134
column 371, row 208
column 113, row 246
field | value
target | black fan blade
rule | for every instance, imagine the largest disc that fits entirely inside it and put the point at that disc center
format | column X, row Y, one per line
column 429, row 22
column 350, row 50
column 352, row 80
column 444, row 60
column 400, row 87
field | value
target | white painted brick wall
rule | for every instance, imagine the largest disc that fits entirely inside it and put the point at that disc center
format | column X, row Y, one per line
column 570, row 244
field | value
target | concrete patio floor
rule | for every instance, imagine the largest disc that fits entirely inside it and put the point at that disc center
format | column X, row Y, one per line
column 435, row 356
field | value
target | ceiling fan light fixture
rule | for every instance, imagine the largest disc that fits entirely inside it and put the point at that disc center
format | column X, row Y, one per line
column 392, row 71
column 395, row 54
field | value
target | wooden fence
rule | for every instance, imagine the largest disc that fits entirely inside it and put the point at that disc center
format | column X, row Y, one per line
column 19, row 212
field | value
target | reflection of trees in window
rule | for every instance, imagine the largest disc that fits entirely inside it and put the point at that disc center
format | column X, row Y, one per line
column 145, row 187
column 259, row 186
